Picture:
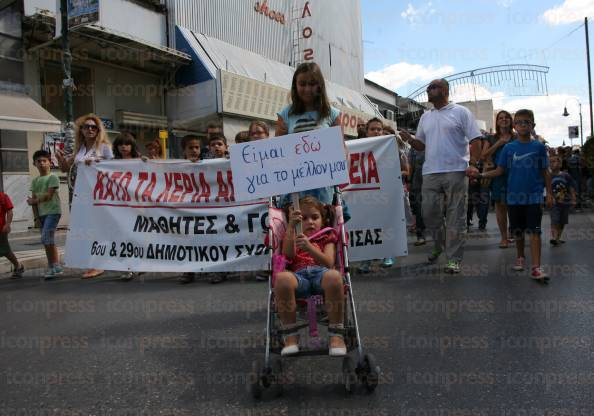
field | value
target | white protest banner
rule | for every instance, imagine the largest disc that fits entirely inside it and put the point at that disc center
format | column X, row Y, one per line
column 375, row 201
column 163, row 216
column 178, row 216
column 291, row 163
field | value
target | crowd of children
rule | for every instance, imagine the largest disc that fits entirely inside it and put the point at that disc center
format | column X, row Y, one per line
column 519, row 174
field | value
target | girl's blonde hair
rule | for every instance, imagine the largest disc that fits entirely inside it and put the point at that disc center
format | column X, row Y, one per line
column 79, row 140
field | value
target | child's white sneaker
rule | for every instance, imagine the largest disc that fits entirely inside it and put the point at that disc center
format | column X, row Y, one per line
column 290, row 350
column 519, row 266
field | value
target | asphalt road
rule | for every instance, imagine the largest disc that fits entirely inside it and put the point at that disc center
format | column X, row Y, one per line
column 488, row 341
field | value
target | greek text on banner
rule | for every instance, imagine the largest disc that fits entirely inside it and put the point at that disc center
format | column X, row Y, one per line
column 179, row 216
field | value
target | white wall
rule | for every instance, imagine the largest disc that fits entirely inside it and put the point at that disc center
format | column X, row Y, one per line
column 135, row 20
column 482, row 110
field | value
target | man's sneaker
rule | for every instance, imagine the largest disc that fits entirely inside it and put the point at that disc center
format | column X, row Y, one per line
column 58, row 270
column 519, row 266
column 539, row 274
column 434, row 255
column 453, row 266
column 420, row 241
column 554, row 242
column 18, row 272
column 388, row 262
column 186, row 278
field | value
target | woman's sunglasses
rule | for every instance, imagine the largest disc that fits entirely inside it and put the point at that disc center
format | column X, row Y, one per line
column 90, row 127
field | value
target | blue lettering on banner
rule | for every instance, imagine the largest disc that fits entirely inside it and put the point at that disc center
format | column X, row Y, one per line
column 310, row 168
column 250, row 156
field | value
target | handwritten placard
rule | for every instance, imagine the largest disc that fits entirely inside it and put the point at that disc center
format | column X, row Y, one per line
column 286, row 164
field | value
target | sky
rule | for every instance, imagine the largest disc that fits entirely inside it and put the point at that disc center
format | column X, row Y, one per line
column 408, row 43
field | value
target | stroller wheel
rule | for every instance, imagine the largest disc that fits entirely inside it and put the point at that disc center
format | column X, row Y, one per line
column 255, row 380
column 349, row 377
column 369, row 374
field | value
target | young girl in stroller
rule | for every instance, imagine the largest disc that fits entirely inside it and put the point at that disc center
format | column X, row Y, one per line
column 311, row 258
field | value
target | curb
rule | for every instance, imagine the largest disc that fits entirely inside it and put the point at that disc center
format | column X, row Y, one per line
column 31, row 259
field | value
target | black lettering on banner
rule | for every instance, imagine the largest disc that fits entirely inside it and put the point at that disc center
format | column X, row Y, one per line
column 181, row 253
column 173, row 225
column 231, row 227
column 362, row 238
column 254, row 217
column 250, row 250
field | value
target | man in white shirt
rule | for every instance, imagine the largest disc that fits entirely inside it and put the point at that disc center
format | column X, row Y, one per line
column 445, row 133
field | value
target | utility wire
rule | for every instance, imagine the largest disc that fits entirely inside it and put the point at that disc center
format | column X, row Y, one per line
column 548, row 47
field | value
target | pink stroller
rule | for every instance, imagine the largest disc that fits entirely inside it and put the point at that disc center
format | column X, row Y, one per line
column 311, row 315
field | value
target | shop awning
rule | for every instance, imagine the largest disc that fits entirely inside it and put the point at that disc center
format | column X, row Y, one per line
column 107, row 45
column 20, row 112
column 214, row 54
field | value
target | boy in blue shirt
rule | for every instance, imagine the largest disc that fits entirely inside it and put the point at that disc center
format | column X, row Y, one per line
column 527, row 165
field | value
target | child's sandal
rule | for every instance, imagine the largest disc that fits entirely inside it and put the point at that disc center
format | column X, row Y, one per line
column 336, row 330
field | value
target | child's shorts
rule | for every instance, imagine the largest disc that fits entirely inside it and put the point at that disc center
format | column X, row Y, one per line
column 4, row 246
column 309, row 281
column 560, row 214
column 525, row 218
column 49, row 223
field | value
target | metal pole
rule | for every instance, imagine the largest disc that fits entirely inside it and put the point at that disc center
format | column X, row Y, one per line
column 581, row 128
column 67, row 62
column 589, row 77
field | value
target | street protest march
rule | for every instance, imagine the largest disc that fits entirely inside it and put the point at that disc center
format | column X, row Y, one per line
column 180, row 216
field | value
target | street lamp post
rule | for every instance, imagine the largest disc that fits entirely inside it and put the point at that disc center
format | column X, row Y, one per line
column 565, row 114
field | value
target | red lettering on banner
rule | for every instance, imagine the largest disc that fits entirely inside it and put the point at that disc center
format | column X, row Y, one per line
column 114, row 177
column 308, row 54
column 108, row 190
column 124, row 184
column 177, row 188
column 99, row 187
column 113, row 187
column 202, row 191
column 354, row 169
column 230, row 182
column 361, row 172
column 188, row 188
column 147, row 195
column 142, row 177
column 223, row 188
column 307, row 32
column 353, row 122
column 164, row 196
column 372, row 166
column 306, row 10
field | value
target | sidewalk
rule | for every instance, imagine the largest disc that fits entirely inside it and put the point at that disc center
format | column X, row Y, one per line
column 28, row 249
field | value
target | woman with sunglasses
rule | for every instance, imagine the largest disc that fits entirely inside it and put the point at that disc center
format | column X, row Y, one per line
column 90, row 144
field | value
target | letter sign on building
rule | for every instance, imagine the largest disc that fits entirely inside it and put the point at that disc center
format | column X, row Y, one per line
column 262, row 8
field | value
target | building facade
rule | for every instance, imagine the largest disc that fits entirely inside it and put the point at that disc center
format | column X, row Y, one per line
column 244, row 53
